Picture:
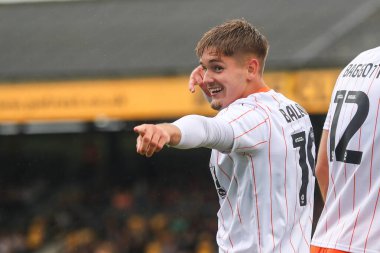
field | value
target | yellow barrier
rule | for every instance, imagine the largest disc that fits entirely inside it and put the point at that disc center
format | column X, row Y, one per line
column 142, row 99
column 310, row 88
column 136, row 99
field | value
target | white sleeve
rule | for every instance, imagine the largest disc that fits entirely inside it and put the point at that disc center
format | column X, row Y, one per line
column 198, row 131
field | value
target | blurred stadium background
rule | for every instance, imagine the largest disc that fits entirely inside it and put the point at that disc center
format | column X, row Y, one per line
column 76, row 76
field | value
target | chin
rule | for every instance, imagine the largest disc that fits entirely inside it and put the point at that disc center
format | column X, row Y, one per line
column 216, row 105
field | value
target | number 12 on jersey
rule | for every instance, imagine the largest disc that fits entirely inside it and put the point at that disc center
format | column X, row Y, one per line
column 340, row 152
column 305, row 155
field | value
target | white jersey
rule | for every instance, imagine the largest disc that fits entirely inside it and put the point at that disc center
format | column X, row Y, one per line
column 265, row 183
column 350, row 220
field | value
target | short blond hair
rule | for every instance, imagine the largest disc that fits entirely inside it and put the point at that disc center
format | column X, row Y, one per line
column 233, row 37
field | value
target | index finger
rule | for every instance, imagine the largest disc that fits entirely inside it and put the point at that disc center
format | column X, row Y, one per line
column 141, row 129
column 195, row 78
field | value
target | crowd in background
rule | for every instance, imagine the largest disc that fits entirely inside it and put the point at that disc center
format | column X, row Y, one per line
column 98, row 209
column 66, row 194
column 84, row 218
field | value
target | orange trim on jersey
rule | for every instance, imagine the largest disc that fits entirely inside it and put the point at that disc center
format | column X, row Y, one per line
column 315, row 249
column 263, row 89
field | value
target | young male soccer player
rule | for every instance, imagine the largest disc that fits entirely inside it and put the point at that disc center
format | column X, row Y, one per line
column 348, row 161
column 262, row 145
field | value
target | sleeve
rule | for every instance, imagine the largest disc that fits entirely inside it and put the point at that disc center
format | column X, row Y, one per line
column 250, row 126
column 198, row 131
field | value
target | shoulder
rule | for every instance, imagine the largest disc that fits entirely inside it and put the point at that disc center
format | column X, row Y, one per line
column 255, row 106
column 261, row 98
column 370, row 55
column 237, row 110
column 371, row 51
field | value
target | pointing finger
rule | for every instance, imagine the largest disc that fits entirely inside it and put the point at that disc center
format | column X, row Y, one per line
column 152, row 145
column 140, row 129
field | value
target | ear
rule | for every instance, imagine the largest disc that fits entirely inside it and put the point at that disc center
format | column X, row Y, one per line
column 253, row 67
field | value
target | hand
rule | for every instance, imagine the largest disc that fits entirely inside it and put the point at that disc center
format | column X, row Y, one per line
column 196, row 78
column 151, row 139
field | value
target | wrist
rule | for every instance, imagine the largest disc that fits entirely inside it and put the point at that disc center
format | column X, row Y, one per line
column 173, row 132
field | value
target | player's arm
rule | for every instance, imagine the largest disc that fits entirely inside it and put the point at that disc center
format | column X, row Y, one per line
column 322, row 167
column 192, row 131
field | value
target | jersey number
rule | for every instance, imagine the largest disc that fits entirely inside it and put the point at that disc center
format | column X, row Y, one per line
column 340, row 152
column 305, row 154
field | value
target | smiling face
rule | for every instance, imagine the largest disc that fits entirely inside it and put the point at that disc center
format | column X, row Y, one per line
column 226, row 78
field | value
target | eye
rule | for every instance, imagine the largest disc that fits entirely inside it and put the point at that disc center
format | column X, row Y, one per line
column 218, row 68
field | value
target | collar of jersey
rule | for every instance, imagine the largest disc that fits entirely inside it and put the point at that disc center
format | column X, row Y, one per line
column 263, row 89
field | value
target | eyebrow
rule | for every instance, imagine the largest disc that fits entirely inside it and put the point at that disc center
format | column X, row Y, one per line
column 211, row 61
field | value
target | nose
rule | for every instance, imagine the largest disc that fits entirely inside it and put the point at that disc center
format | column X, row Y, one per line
column 207, row 77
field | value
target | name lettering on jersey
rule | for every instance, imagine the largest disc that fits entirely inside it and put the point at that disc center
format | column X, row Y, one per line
column 293, row 112
column 362, row 70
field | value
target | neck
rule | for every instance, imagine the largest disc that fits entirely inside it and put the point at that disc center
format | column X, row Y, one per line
column 258, row 86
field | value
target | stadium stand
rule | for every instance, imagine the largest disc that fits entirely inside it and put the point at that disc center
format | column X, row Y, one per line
column 91, row 199
column 113, row 38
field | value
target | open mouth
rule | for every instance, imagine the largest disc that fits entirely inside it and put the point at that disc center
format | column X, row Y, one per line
column 215, row 90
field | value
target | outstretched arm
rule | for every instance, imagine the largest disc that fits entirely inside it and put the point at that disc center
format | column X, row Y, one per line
column 322, row 167
column 191, row 131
